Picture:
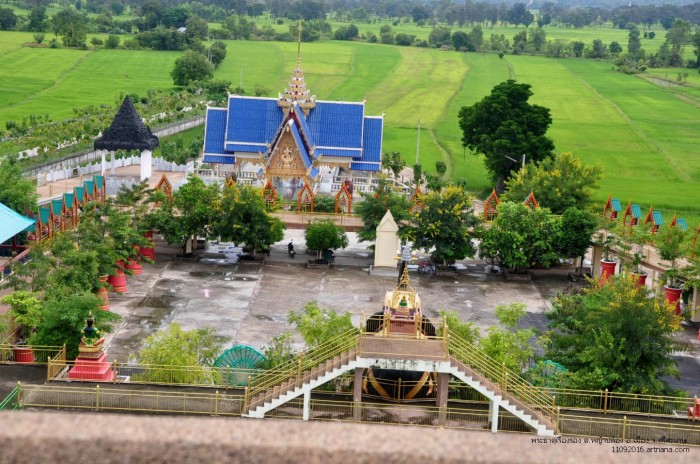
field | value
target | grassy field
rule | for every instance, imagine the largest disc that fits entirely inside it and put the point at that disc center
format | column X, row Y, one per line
column 642, row 129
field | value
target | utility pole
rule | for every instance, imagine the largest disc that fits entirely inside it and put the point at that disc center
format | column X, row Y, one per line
column 418, row 142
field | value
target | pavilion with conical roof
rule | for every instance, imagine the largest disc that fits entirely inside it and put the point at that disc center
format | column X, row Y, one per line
column 128, row 132
column 293, row 139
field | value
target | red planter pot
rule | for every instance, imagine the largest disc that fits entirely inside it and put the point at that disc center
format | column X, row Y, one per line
column 607, row 270
column 149, row 252
column 673, row 296
column 118, row 281
column 102, row 293
column 23, row 355
column 135, row 267
column 641, row 279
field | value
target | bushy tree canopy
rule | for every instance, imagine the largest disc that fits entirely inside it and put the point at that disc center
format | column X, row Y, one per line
column 614, row 336
column 444, row 224
column 558, row 183
column 503, row 124
column 374, row 206
column 191, row 66
column 325, row 235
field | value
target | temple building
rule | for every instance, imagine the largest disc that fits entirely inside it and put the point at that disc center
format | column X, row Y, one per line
column 294, row 141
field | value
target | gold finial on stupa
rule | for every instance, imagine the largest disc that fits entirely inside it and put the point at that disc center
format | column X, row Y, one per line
column 297, row 92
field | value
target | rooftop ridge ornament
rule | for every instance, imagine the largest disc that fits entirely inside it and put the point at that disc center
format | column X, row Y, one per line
column 297, row 92
column 127, row 131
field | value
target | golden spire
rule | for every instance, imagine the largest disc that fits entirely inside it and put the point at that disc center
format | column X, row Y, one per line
column 297, row 92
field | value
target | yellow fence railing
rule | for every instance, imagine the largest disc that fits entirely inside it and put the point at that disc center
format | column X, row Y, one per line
column 155, row 374
column 28, row 354
column 660, row 432
column 110, row 398
column 299, row 369
column 511, row 384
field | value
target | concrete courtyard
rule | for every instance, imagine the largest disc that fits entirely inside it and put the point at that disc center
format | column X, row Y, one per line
column 249, row 303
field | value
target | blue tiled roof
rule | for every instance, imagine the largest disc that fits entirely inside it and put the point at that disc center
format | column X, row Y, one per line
column 682, row 224
column 366, row 167
column 616, row 206
column 12, row 223
column 314, row 172
column 636, row 211
column 337, row 125
column 247, row 147
column 305, row 129
column 215, row 130
column 658, row 218
column 372, row 152
column 252, row 120
column 220, row 159
column 346, row 152
column 302, row 149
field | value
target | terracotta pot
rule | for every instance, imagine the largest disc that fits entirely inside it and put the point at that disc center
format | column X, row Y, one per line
column 102, row 293
column 607, row 270
column 148, row 252
column 135, row 267
column 641, row 279
column 118, row 281
column 673, row 296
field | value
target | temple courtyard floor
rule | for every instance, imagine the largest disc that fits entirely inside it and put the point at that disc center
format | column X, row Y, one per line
column 248, row 303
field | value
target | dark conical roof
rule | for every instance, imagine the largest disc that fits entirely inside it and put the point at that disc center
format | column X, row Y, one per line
column 127, row 132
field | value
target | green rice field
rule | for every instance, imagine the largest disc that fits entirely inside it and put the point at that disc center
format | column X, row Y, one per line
column 642, row 129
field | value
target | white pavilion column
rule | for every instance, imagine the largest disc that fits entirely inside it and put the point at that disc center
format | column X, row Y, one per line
column 307, row 404
column 493, row 412
column 146, row 169
column 103, row 155
column 113, row 161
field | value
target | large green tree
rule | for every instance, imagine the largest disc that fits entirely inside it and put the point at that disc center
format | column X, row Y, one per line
column 191, row 66
column 243, row 218
column 614, row 336
column 325, row 235
column 71, row 25
column 319, row 326
column 577, row 229
column 558, row 183
column 502, row 125
column 445, row 224
column 8, row 19
column 521, row 237
column 190, row 213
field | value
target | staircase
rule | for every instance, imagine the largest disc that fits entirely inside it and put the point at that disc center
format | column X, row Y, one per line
column 448, row 355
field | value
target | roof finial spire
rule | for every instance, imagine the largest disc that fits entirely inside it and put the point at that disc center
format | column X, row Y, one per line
column 299, row 44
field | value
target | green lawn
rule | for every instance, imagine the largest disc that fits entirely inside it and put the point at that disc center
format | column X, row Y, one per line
column 642, row 129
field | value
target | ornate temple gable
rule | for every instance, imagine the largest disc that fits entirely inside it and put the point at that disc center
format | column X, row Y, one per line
column 286, row 160
column 296, row 92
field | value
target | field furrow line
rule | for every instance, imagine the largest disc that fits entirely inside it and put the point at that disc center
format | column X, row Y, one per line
column 653, row 146
column 55, row 83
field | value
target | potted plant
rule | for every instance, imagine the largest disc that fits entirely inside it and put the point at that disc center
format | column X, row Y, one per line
column 25, row 313
column 631, row 245
column 607, row 240
column 671, row 245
